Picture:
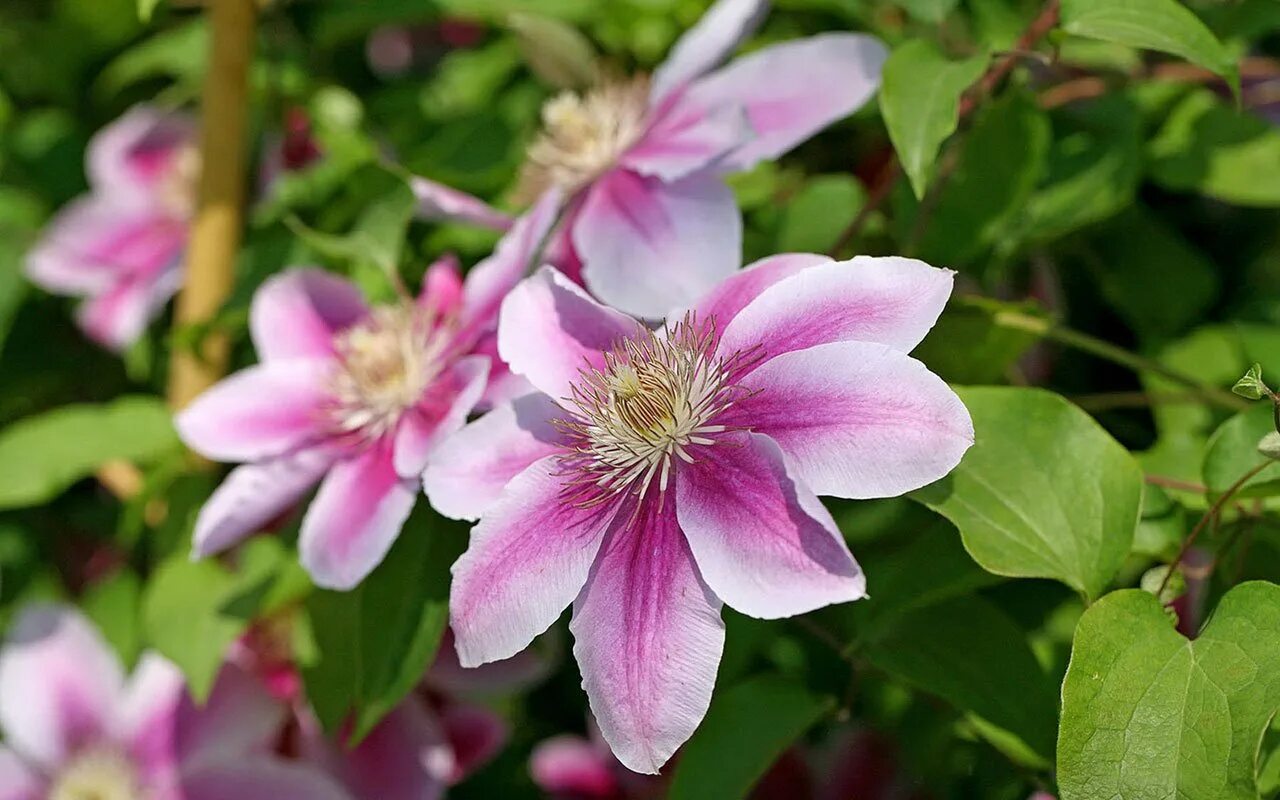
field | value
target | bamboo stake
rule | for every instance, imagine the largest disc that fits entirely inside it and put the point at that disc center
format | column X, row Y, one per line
column 216, row 230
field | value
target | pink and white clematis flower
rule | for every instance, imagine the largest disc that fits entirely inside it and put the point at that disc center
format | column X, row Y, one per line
column 658, row 474
column 75, row 728
column 652, row 222
column 354, row 398
column 121, row 245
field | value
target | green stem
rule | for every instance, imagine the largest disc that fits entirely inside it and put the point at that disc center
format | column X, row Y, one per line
column 1048, row 329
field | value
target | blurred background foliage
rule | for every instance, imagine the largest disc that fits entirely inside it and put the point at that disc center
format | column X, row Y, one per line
column 1119, row 194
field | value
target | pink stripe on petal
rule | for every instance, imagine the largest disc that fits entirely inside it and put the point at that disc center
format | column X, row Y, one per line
column 857, row 420
column 261, row 778
column 129, row 157
column 148, row 715
column 892, row 301
column 355, row 518
column 118, row 317
column 648, row 638
column 260, row 411
column 763, row 542
column 297, row 313
column 439, row 202
column 441, row 412
column 732, row 294
column 550, row 329
column 687, row 138
column 708, row 43
column 252, row 495
column 527, row 560
column 18, row 781
column 571, row 766
column 649, row 246
column 791, row 91
column 60, row 684
column 493, row 278
column 470, row 469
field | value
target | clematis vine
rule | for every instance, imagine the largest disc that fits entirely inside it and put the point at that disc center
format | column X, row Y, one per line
column 120, row 246
column 658, row 474
column 652, row 224
column 75, row 728
column 353, row 398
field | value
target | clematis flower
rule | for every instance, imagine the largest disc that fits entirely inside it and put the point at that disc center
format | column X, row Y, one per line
column 76, row 728
column 353, row 398
column 652, row 223
column 658, row 474
column 120, row 246
column 572, row 767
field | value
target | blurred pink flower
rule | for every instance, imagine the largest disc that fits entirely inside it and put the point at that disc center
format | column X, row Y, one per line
column 354, row 398
column 652, row 221
column 120, row 246
column 571, row 767
column 658, row 474
column 75, row 727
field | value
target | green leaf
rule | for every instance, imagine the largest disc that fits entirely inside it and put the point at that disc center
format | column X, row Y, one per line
column 1044, row 492
column 193, row 610
column 920, row 99
column 1251, row 385
column 114, row 605
column 967, row 345
column 42, row 455
column 375, row 642
column 1147, row 713
column 1163, row 25
column 932, row 11
column 146, row 8
column 747, row 727
column 814, row 218
column 556, row 52
column 1209, row 147
column 970, row 653
column 1233, row 451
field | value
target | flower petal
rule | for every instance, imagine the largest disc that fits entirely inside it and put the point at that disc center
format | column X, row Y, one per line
column 793, row 90
column 550, row 330
column 733, row 294
column 93, row 243
column 857, row 419
column 708, row 43
column 252, row 495
column 148, row 715
column 260, row 411
column 355, row 517
column 439, row 202
column 571, row 766
column 892, row 301
column 527, row 560
column 17, row 780
column 493, row 279
column 60, row 684
column 442, row 286
column 132, row 156
column 442, row 412
column 239, row 719
column 763, row 542
column 687, row 138
column 649, row 246
column 117, row 317
column 475, row 735
column 648, row 638
column 260, row 779
column 406, row 757
column 297, row 313
column 504, row 385
column 469, row 470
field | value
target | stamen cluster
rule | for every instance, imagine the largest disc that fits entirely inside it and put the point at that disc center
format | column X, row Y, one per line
column 584, row 134
column 386, row 363
column 97, row 775
column 657, row 395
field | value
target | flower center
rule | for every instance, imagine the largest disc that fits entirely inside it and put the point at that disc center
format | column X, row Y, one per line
column 656, row 396
column 584, row 134
column 97, row 775
column 177, row 189
column 387, row 362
